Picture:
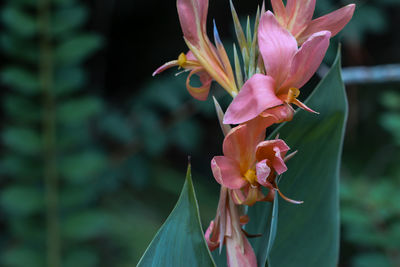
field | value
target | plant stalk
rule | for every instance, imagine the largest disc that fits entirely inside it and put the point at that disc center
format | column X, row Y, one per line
column 46, row 68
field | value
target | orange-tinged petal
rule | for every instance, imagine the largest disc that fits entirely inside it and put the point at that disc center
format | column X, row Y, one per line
column 274, row 151
column 280, row 11
column 240, row 145
column 200, row 93
column 238, row 256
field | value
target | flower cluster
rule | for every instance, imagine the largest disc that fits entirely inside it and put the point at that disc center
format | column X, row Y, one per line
column 288, row 47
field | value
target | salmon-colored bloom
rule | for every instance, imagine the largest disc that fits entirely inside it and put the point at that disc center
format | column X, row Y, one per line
column 288, row 68
column 204, row 59
column 249, row 162
column 226, row 229
column 297, row 18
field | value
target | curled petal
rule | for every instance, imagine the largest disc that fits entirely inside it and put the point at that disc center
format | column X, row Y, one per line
column 307, row 60
column 210, row 237
column 274, row 151
column 238, row 256
column 200, row 93
column 277, row 47
column 256, row 95
column 263, row 172
column 333, row 22
column 227, row 172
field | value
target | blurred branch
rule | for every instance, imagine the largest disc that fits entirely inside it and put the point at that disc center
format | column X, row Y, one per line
column 363, row 74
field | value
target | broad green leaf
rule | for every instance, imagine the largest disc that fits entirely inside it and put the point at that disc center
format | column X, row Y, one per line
column 180, row 241
column 78, row 49
column 308, row 234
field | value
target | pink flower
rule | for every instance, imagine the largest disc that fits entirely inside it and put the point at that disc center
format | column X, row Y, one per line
column 207, row 61
column 249, row 163
column 288, row 68
column 297, row 18
column 226, row 229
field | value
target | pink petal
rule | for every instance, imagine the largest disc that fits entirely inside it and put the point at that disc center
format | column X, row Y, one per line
column 300, row 13
column 333, row 22
column 277, row 47
column 200, row 93
column 227, row 172
column 212, row 245
column 307, row 60
column 193, row 17
column 166, row 66
column 263, row 172
column 238, row 257
column 280, row 11
column 256, row 95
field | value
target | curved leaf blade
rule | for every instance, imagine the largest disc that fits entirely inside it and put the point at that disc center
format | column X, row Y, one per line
column 180, row 241
column 308, row 234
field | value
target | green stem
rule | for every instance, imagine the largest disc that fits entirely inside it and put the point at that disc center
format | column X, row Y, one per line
column 49, row 135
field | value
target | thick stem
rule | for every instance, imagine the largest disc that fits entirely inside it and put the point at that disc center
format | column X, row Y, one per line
column 49, row 135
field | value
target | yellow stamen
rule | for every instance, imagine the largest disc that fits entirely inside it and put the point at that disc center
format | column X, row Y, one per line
column 292, row 94
column 251, row 176
column 182, row 60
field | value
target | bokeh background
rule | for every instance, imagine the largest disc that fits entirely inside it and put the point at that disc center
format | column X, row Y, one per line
column 94, row 150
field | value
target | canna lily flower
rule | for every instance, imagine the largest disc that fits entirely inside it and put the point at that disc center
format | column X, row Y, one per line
column 227, row 229
column 207, row 61
column 297, row 18
column 249, row 163
column 288, row 68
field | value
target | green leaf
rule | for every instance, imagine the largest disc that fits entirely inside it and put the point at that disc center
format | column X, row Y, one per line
column 82, row 257
column 69, row 80
column 308, row 234
column 21, row 109
column 80, row 110
column 78, row 49
column 22, row 140
column 81, row 168
column 68, row 19
column 19, row 21
column 22, row 257
column 20, row 80
column 180, row 241
column 21, row 200
column 86, row 225
column 18, row 48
